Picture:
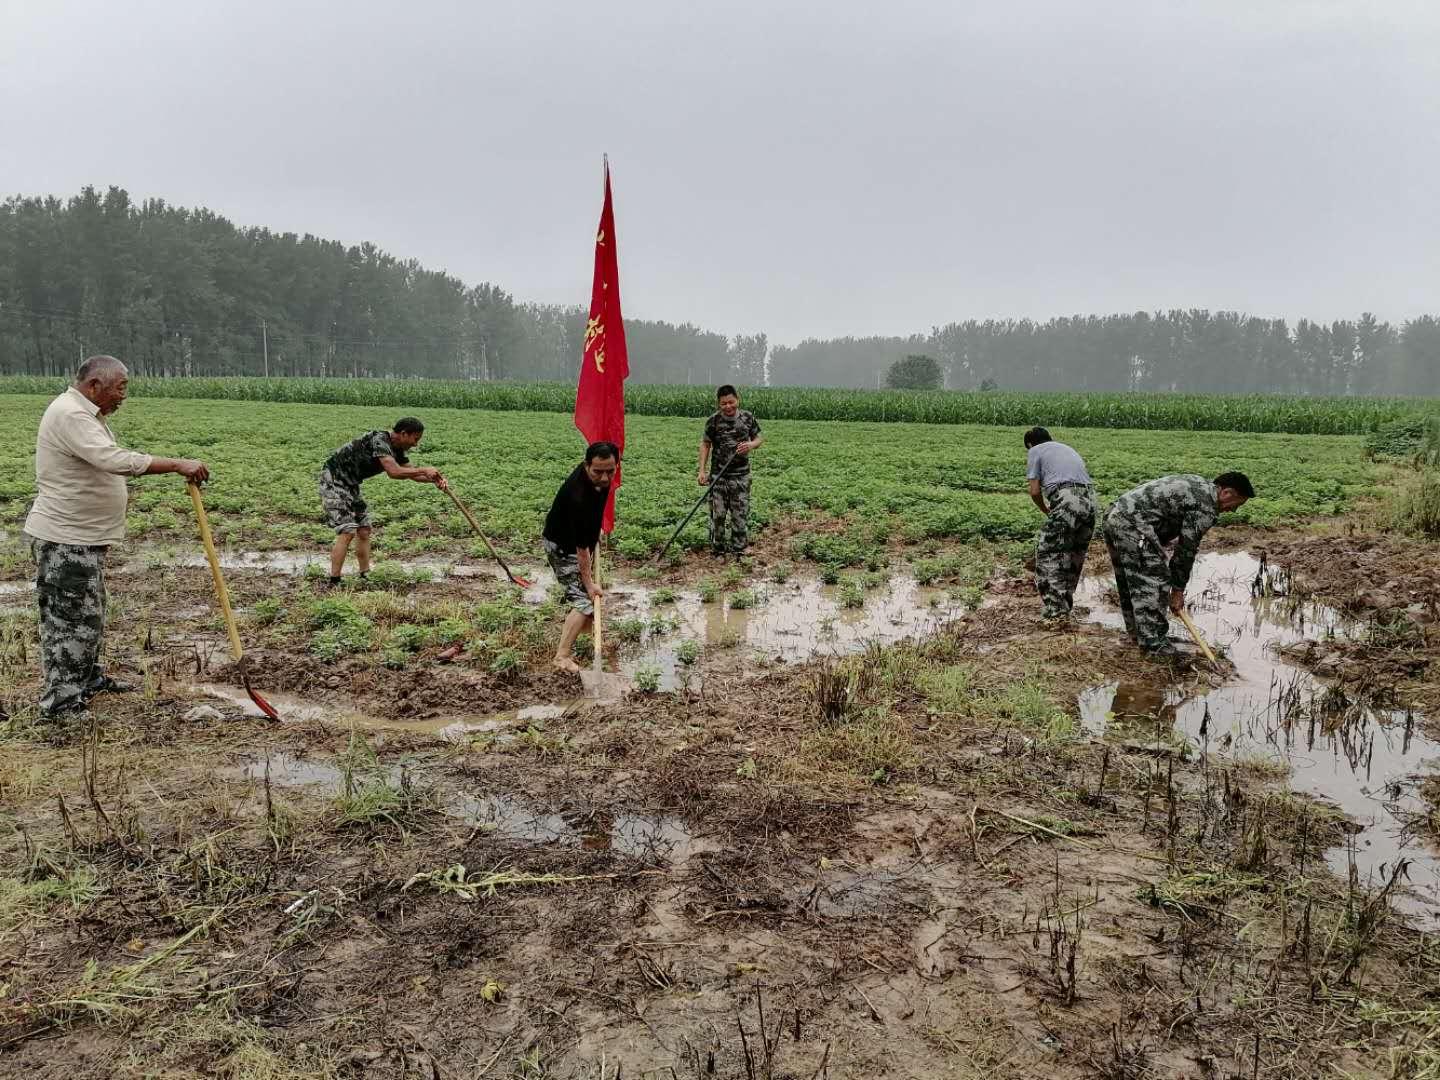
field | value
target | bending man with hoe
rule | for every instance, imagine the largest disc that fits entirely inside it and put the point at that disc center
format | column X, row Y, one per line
column 572, row 529
column 355, row 462
column 1061, row 488
column 730, row 433
column 79, row 512
column 1137, row 528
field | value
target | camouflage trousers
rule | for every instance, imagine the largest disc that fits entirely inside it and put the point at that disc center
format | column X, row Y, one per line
column 1060, row 552
column 1142, row 578
column 70, row 589
column 345, row 508
column 730, row 498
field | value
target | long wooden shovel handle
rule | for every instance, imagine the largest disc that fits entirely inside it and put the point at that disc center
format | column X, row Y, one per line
column 214, row 560
column 596, row 635
column 1195, row 633
column 475, row 527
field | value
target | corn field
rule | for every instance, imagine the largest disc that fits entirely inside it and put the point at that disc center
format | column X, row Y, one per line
column 1186, row 412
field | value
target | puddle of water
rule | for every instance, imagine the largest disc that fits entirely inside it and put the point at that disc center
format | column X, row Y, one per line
column 286, row 770
column 298, row 710
column 789, row 623
column 1364, row 761
column 656, row 837
column 298, row 562
column 282, row 562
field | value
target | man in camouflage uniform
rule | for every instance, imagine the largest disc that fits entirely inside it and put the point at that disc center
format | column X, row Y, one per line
column 1139, row 526
column 731, row 434
column 352, row 464
column 1060, row 486
column 78, row 514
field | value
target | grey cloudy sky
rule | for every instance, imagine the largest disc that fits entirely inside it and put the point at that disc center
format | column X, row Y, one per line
column 806, row 169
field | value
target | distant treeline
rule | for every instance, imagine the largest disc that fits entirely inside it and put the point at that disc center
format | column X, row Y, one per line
column 185, row 292
column 1194, row 351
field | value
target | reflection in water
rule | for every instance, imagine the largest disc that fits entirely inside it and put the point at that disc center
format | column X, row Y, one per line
column 789, row 623
column 1364, row 760
column 659, row 838
column 298, row 710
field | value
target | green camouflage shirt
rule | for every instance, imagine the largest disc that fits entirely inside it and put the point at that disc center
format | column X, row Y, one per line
column 724, row 433
column 1172, row 507
column 359, row 459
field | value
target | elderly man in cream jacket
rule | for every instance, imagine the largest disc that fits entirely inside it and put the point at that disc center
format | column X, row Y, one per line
column 78, row 513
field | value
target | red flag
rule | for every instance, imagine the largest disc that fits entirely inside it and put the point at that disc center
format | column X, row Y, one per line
column 600, row 396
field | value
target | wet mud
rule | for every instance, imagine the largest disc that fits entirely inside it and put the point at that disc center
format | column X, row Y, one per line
column 1365, row 760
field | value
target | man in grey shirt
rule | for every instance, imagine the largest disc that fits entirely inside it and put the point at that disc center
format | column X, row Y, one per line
column 1060, row 486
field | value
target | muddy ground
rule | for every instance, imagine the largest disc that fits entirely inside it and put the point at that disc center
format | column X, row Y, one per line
column 920, row 859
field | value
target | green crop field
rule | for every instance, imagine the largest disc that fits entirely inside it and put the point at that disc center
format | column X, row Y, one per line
column 912, row 481
column 1187, row 412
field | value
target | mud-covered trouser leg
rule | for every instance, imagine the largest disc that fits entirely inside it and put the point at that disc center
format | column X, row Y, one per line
column 717, row 515
column 738, row 500
column 1142, row 577
column 1060, row 552
column 70, row 591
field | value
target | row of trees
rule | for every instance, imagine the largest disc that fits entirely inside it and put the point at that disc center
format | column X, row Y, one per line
column 185, row 292
column 1196, row 351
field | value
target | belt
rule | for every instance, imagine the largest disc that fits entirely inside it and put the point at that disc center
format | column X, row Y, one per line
column 1070, row 484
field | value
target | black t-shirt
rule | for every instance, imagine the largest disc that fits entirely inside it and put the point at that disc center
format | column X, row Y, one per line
column 575, row 515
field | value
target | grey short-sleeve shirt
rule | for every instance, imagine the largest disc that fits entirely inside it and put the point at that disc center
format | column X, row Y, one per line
column 1053, row 464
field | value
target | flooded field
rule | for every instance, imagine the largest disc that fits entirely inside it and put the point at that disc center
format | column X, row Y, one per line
column 866, row 829
column 1365, row 760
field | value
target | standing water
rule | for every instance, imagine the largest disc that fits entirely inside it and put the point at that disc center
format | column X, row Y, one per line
column 1366, row 761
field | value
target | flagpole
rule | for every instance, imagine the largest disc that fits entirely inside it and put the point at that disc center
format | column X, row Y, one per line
column 596, row 636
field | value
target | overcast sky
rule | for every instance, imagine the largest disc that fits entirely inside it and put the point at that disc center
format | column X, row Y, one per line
column 806, row 169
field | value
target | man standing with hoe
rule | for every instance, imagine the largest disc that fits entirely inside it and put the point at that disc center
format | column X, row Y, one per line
column 1060, row 486
column 730, row 434
column 1137, row 528
column 79, row 512
column 572, row 530
column 355, row 462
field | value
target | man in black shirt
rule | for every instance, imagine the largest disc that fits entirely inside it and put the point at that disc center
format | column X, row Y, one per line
column 358, row 460
column 572, row 529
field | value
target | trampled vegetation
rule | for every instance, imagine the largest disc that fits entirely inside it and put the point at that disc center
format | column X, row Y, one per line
column 915, row 482
column 1163, row 412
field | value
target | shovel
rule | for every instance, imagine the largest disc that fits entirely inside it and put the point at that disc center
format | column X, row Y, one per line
column 700, row 502
column 241, row 660
column 599, row 683
column 1195, row 634
column 514, row 577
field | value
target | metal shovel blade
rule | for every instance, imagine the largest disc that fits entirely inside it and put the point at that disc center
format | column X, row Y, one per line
column 604, row 685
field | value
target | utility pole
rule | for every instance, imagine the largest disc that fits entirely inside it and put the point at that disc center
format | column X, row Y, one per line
column 265, row 344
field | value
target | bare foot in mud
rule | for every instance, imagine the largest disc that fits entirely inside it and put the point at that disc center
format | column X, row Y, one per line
column 565, row 663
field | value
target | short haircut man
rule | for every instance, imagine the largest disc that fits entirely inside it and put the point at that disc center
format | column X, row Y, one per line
column 78, row 514
column 1140, row 524
column 572, row 530
column 351, row 465
column 730, row 434
column 1060, row 486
